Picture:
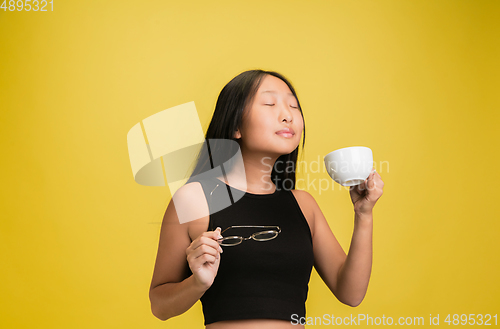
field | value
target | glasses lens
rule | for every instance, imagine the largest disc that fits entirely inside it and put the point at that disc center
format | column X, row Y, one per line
column 263, row 236
column 230, row 241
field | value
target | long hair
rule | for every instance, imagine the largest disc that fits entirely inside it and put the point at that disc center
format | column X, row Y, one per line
column 234, row 98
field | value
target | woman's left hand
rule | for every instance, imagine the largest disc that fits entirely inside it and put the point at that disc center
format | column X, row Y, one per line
column 365, row 195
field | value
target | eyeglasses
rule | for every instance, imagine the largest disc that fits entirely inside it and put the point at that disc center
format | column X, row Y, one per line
column 258, row 236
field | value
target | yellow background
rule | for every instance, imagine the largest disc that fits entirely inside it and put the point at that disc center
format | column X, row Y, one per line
column 416, row 81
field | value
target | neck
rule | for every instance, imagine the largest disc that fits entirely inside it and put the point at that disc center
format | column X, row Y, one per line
column 252, row 173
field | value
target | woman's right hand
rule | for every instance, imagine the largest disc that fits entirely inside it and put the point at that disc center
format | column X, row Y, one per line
column 203, row 256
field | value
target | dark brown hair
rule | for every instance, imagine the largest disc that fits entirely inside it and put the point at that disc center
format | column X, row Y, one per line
column 234, row 98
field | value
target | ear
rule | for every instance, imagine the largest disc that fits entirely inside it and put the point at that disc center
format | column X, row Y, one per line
column 237, row 134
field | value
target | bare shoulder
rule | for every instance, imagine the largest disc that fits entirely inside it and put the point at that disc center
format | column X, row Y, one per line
column 305, row 199
column 308, row 205
column 187, row 189
column 190, row 203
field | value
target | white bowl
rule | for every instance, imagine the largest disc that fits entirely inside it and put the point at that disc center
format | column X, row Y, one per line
column 349, row 166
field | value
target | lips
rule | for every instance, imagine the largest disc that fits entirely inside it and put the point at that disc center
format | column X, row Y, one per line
column 286, row 132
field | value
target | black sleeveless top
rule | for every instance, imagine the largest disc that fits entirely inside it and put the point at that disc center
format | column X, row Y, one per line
column 258, row 279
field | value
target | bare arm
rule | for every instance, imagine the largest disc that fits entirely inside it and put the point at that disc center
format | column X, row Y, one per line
column 173, row 291
column 347, row 276
column 172, row 299
column 354, row 274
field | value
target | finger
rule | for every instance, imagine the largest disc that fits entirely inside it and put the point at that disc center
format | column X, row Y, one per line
column 362, row 186
column 204, row 249
column 370, row 184
column 369, row 180
column 206, row 241
column 378, row 179
column 206, row 258
column 201, row 251
column 217, row 233
column 209, row 238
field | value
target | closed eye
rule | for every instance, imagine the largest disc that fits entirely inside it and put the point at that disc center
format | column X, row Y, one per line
column 269, row 104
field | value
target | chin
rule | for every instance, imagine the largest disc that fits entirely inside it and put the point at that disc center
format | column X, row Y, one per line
column 288, row 150
column 278, row 148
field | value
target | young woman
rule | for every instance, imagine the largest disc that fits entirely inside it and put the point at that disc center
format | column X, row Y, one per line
column 272, row 234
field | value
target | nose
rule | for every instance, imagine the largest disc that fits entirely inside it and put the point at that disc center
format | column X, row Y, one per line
column 286, row 114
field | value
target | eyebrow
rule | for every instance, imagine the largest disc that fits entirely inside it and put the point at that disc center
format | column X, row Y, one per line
column 273, row 92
